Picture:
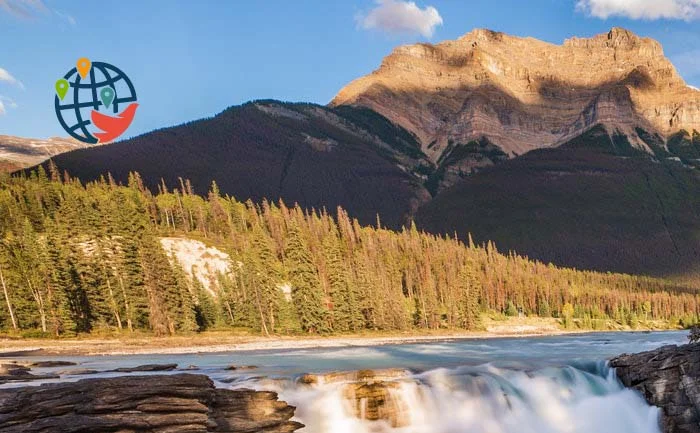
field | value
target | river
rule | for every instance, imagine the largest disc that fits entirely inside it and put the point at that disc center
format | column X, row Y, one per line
column 558, row 384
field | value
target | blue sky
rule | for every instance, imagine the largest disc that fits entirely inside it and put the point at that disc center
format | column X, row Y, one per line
column 192, row 59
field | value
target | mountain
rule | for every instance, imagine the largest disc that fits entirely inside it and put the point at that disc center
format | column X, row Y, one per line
column 303, row 153
column 524, row 94
column 581, row 205
column 17, row 152
column 521, row 94
column 585, row 154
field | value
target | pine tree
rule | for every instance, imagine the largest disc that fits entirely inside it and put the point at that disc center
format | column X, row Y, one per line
column 26, row 258
column 346, row 314
column 77, row 258
column 264, row 275
column 306, row 287
column 207, row 311
column 6, row 295
column 470, row 290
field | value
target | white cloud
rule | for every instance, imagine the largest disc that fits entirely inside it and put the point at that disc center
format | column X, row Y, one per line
column 641, row 9
column 396, row 16
column 5, row 100
column 23, row 8
column 8, row 78
column 33, row 8
column 66, row 17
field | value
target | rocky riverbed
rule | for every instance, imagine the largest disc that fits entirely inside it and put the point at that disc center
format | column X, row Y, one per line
column 669, row 378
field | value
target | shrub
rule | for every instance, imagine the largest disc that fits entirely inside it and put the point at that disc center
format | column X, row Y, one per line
column 511, row 309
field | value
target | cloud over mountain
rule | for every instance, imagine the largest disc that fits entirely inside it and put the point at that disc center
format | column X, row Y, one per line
column 641, row 9
column 394, row 16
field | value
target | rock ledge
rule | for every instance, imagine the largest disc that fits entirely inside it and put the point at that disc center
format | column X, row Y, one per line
column 185, row 403
column 668, row 377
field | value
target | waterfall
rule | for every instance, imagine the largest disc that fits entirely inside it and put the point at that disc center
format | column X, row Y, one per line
column 475, row 399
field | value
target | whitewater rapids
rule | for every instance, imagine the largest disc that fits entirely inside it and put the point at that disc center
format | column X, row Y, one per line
column 486, row 399
column 558, row 384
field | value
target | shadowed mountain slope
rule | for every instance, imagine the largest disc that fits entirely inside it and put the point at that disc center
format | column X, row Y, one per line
column 304, row 153
column 582, row 205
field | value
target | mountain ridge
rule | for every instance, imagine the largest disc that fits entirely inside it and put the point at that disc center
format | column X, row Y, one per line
column 18, row 152
column 303, row 153
column 523, row 94
column 373, row 165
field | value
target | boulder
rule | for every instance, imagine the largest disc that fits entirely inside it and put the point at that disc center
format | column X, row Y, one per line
column 185, row 403
column 190, row 367
column 20, row 373
column 77, row 372
column 241, row 367
column 146, row 367
column 48, row 364
column 375, row 401
column 668, row 377
column 369, row 393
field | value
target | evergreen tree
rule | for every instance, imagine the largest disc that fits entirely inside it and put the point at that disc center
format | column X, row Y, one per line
column 470, row 289
column 264, row 276
column 80, row 258
column 346, row 314
column 306, row 287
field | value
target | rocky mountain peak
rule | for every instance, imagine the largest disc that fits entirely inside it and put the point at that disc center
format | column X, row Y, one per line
column 523, row 93
column 618, row 38
column 18, row 152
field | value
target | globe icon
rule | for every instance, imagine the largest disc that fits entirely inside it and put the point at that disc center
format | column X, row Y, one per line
column 74, row 109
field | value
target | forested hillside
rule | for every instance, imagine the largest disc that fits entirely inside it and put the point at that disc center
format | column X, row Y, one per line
column 78, row 258
column 301, row 153
column 581, row 205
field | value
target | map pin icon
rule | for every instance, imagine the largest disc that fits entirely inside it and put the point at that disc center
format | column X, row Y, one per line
column 62, row 87
column 84, row 65
column 107, row 96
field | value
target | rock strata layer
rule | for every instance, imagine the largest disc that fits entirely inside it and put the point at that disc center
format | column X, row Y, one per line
column 523, row 94
column 183, row 403
column 669, row 378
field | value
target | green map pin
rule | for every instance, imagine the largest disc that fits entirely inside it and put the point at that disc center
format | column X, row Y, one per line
column 107, row 96
column 62, row 87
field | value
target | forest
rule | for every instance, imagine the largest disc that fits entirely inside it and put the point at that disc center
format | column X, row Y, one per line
column 81, row 258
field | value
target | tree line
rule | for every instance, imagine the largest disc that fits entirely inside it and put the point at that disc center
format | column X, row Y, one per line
column 79, row 258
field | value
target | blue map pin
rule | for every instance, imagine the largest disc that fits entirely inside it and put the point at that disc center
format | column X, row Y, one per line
column 107, row 96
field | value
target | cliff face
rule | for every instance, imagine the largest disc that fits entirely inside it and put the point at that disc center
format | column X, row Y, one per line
column 523, row 94
column 669, row 378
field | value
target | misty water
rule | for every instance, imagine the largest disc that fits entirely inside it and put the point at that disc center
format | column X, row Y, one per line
column 558, row 384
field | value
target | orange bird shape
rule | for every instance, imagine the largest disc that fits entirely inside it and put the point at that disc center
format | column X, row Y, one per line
column 113, row 127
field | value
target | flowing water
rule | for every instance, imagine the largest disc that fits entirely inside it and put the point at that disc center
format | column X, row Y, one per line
column 556, row 384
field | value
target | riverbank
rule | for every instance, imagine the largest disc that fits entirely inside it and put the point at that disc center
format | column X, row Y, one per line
column 212, row 342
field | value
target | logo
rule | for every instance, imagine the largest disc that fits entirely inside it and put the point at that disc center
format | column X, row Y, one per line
column 89, row 99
